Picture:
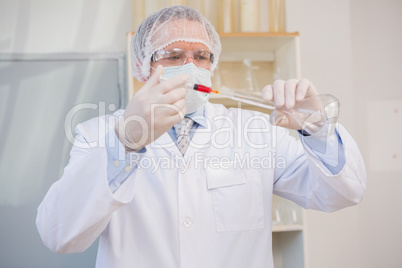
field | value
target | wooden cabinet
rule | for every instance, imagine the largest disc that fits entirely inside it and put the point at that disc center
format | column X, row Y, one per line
column 272, row 55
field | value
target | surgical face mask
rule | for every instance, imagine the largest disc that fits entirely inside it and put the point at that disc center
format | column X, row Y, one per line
column 194, row 99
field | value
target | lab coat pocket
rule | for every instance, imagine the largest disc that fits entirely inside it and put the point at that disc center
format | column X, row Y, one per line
column 237, row 199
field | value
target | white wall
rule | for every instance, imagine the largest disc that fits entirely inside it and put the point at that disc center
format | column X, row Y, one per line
column 326, row 60
column 50, row 26
column 377, row 70
column 352, row 48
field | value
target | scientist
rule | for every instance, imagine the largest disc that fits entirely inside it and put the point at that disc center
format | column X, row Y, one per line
column 179, row 182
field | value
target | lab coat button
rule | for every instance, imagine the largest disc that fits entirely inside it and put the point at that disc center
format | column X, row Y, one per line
column 116, row 163
column 127, row 169
column 187, row 222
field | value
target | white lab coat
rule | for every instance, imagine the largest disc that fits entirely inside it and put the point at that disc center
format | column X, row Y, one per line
column 206, row 216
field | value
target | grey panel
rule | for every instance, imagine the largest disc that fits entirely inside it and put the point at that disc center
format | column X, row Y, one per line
column 37, row 94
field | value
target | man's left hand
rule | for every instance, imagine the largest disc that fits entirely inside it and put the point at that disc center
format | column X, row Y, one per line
column 285, row 95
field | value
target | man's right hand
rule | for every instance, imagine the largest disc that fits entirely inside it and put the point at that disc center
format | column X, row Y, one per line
column 152, row 111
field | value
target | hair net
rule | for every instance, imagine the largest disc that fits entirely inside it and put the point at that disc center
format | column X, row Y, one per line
column 166, row 26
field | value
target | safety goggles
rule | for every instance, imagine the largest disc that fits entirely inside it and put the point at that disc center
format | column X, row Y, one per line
column 177, row 56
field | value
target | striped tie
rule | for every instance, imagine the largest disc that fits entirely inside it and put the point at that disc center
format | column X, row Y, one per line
column 182, row 129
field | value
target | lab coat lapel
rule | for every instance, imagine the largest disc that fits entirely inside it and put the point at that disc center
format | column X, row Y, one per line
column 200, row 140
column 202, row 136
column 165, row 142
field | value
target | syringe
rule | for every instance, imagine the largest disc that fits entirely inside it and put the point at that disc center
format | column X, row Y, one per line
column 312, row 114
column 249, row 97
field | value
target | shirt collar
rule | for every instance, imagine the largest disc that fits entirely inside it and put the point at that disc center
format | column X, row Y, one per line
column 198, row 116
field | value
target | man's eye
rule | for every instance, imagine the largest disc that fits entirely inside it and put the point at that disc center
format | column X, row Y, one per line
column 202, row 57
column 173, row 58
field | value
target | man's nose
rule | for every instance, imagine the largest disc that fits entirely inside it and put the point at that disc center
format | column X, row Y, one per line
column 189, row 60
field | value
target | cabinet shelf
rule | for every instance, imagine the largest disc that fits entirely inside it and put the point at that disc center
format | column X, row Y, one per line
column 287, row 228
column 259, row 34
column 259, row 42
column 273, row 56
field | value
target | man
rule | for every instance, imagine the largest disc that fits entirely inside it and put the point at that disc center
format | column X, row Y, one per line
column 186, row 183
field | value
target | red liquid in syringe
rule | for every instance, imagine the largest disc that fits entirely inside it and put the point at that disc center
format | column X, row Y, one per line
column 205, row 89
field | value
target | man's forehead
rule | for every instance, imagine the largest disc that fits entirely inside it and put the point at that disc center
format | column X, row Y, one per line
column 192, row 32
column 186, row 45
column 185, row 23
